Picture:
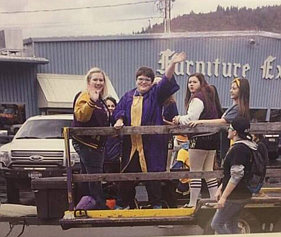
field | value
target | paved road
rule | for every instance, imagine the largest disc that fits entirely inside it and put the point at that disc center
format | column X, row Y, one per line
column 56, row 231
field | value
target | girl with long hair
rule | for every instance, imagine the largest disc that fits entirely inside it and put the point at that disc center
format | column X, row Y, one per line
column 90, row 110
column 240, row 94
column 200, row 104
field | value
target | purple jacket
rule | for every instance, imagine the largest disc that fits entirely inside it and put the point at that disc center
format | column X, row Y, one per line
column 155, row 146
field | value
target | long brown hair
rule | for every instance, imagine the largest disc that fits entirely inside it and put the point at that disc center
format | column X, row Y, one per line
column 243, row 97
column 217, row 102
column 207, row 91
column 170, row 100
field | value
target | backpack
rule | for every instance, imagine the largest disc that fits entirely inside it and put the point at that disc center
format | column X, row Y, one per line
column 256, row 175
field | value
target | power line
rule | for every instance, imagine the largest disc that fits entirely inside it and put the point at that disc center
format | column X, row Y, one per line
column 78, row 8
column 60, row 24
column 138, row 19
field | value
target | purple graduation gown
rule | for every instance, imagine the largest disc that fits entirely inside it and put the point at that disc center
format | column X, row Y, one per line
column 155, row 146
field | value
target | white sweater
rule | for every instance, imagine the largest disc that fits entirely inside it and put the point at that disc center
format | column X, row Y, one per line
column 195, row 109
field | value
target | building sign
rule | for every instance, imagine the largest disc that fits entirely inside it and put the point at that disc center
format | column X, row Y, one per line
column 218, row 67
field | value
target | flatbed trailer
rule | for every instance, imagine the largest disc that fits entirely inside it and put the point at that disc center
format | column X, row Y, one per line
column 262, row 214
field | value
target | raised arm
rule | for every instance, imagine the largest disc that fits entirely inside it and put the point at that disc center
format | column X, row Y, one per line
column 177, row 58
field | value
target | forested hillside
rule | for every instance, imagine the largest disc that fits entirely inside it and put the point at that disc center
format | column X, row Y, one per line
column 226, row 19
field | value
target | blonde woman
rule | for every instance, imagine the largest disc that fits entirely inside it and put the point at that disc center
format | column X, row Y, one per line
column 90, row 110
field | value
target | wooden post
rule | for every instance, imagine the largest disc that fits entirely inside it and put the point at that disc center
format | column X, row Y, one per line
column 68, row 169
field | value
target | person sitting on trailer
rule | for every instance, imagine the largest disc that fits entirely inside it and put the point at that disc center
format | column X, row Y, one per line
column 182, row 162
column 143, row 106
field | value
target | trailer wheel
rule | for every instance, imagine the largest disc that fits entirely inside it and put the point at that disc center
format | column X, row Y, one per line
column 248, row 223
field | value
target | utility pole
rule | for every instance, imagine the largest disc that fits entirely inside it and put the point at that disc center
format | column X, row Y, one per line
column 167, row 16
column 165, row 7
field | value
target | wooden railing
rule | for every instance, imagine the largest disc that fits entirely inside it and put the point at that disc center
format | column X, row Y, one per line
column 256, row 128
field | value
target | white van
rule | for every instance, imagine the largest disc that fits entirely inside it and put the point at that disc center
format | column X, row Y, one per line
column 37, row 150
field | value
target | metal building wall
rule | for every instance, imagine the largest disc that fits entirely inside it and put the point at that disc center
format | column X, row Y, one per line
column 18, row 85
column 119, row 57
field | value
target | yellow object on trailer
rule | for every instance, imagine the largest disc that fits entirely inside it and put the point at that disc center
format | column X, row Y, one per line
column 132, row 213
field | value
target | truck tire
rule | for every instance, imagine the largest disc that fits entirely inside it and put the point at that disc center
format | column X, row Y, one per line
column 12, row 192
column 248, row 223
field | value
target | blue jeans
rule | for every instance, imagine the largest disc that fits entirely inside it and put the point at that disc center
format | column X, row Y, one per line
column 91, row 162
column 225, row 220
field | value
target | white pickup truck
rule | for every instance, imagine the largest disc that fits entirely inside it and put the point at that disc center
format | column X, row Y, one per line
column 37, row 150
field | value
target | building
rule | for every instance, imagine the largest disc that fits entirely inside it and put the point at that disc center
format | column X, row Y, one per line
column 18, row 78
column 221, row 56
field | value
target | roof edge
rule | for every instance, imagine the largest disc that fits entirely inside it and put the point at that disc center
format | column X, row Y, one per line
column 155, row 36
column 14, row 59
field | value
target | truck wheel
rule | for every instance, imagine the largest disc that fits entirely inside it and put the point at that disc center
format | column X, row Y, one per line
column 12, row 192
column 248, row 223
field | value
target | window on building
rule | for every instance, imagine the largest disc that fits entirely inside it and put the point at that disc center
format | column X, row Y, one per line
column 258, row 115
column 275, row 115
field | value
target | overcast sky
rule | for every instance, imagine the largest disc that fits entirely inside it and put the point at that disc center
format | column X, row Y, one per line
column 44, row 18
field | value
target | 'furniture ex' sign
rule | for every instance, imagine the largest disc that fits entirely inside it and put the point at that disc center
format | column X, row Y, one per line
column 217, row 67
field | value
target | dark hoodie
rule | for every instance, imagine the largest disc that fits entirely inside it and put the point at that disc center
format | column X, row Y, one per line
column 238, row 157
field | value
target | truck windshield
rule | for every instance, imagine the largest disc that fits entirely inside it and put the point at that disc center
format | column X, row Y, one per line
column 41, row 129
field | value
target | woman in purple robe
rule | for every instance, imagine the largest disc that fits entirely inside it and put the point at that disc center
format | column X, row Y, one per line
column 142, row 106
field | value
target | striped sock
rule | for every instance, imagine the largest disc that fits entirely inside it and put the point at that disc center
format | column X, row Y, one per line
column 212, row 185
column 195, row 188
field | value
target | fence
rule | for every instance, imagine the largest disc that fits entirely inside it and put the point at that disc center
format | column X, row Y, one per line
column 256, row 128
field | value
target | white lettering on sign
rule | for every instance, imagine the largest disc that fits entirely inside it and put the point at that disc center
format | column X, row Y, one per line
column 188, row 64
column 226, row 69
column 267, row 67
column 279, row 72
column 217, row 67
column 200, row 67
column 165, row 60
column 179, row 70
column 235, row 69
column 209, row 72
column 217, row 63
column 245, row 68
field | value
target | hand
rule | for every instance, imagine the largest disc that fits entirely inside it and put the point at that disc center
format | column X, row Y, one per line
column 119, row 124
column 178, row 57
column 94, row 94
column 193, row 124
column 176, row 120
column 221, row 203
column 218, row 194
